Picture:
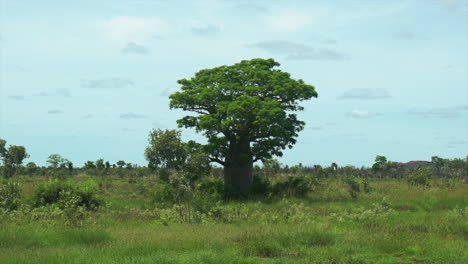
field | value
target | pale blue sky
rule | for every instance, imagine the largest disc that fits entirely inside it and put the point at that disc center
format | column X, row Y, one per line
column 89, row 79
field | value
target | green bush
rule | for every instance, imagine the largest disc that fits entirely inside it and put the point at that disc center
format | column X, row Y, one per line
column 420, row 176
column 10, row 196
column 209, row 192
column 57, row 192
column 295, row 186
column 261, row 185
column 353, row 186
column 163, row 196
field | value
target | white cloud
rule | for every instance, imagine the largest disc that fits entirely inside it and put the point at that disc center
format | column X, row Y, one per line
column 298, row 51
column 447, row 112
column 133, row 48
column 360, row 114
column 365, row 94
column 125, row 29
column 289, row 21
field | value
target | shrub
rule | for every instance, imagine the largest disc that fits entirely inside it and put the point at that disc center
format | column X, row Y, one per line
column 163, row 196
column 296, row 186
column 209, row 192
column 353, row 187
column 59, row 192
column 261, row 185
column 420, row 176
column 10, row 196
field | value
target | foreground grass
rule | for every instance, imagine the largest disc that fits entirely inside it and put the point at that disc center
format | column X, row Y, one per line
column 394, row 223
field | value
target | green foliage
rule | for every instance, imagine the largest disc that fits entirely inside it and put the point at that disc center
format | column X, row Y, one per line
column 10, row 196
column 197, row 164
column 163, row 196
column 12, row 157
column 56, row 161
column 420, row 176
column 31, row 168
column 261, row 185
column 235, row 107
column 295, row 186
column 165, row 149
column 61, row 192
column 366, row 186
column 353, row 186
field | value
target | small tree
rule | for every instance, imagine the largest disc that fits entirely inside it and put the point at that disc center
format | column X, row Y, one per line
column 55, row 160
column 31, row 168
column 12, row 157
column 121, row 163
column 165, row 150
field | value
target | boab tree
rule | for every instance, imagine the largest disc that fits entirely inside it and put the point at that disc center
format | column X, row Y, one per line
column 246, row 111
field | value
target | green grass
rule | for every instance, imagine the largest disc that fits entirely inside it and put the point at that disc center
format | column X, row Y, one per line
column 395, row 223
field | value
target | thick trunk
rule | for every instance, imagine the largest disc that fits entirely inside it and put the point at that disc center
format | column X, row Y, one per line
column 238, row 178
column 238, row 168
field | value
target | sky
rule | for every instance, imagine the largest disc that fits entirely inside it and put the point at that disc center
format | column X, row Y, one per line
column 90, row 79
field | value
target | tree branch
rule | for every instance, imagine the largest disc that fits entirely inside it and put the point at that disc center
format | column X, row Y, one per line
column 218, row 161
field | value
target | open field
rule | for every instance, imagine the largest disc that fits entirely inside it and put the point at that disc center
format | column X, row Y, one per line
column 393, row 223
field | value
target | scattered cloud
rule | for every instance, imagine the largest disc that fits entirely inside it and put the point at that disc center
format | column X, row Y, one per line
column 323, row 40
column 298, row 51
column 457, row 143
column 408, row 36
column 250, row 7
column 55, row 111
column 158, row 125
column 365, row 94
column 362, row 114
column 111, row 83
column 133, row 48
column 204, row 31
column 289, row 21
column 447, row 112
column 133, row 116
column 452, row 3
column 125, row 29
column 58, row 92
column 353, row 135
column 17, row 97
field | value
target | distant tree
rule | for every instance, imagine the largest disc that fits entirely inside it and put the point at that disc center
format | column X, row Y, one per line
column 165, row 150
column 100, row 164
column 89, row 165
column 107, row 165
column 380, row 165
column 271, row 167
column 3, row 149
column 54, row 160
column 121, row 163
column 31, row 168
column 246, row 111
column 12, row 157
column 334, row 166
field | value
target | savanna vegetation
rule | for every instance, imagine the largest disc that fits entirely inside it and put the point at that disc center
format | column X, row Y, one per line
column 181, row 209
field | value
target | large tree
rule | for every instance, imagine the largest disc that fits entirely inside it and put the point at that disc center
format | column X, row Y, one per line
column 246, row 111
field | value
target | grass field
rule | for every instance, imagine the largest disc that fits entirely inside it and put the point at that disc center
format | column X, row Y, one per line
column 393, row 223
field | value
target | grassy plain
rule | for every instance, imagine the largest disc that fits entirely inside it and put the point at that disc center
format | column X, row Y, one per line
column 393, row 223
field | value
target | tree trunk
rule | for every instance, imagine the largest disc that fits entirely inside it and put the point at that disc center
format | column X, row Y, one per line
column 238, row 168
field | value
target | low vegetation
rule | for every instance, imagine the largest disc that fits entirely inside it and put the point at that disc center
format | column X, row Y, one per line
column 287, row 219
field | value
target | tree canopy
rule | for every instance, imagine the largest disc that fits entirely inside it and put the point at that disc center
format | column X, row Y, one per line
column 245, row 110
